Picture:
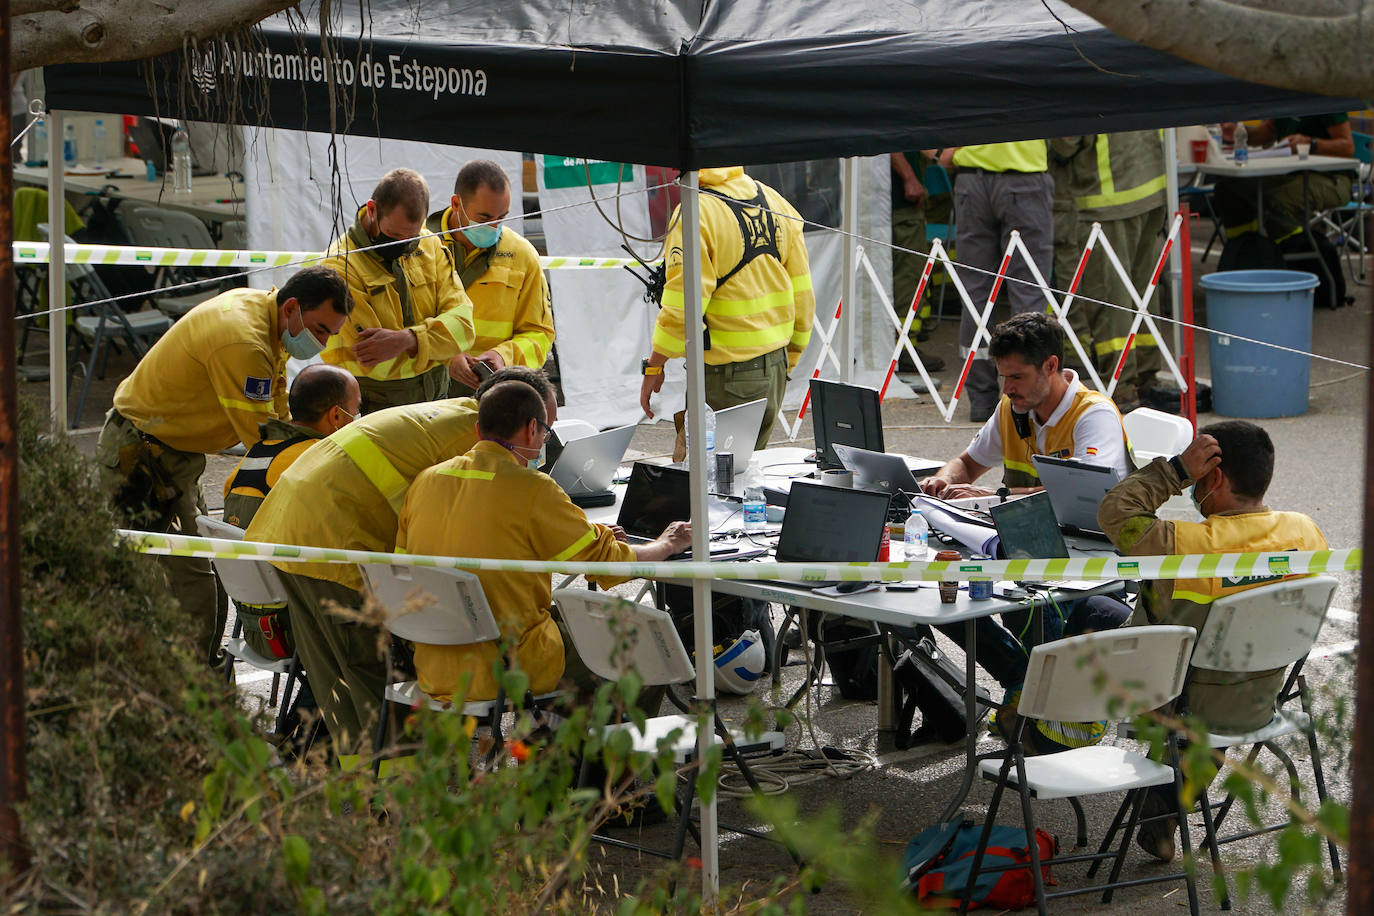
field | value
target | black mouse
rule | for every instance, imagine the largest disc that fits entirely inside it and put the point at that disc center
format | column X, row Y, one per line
column 846, row 587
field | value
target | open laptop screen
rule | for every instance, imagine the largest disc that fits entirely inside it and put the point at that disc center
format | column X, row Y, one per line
column 654, row 497
column 832, row 524
column 1027, row 528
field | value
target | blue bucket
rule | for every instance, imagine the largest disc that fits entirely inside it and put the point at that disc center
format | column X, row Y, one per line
column 1275, row 306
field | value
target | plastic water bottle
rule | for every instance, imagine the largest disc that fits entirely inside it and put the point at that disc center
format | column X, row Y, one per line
column 69, row 144
column 755, row 505
column 917, row 536
column 181, row 161
column 98, row 144
column 710, row 424
column 1242, row 144
column 38, row 144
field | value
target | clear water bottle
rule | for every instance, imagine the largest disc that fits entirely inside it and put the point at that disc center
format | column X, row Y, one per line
column 1242, row 144
column 917, row 536
column 710, row 448
column 38, row 144
column 69, row 144
column 98, row 144
column 755, row 504
column 181, row 161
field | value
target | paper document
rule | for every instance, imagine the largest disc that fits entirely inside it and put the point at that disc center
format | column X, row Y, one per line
column 973, row 533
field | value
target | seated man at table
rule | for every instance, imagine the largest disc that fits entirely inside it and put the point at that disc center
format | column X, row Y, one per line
column 1045, row 410
column 1237, row 200
column 1229, row 466
column 492, row 502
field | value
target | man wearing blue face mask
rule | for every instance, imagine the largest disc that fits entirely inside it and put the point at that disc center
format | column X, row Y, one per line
column 206, row 384
column 500, row 271
column 412, row 314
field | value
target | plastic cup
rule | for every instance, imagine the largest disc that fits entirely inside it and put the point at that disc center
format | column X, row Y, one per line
column 837, row 478
column 1304, row 149
column 1199, row 148
column 949, row 591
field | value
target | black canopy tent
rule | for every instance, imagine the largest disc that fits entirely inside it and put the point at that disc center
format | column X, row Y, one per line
column 684, row 83
column 687, row 83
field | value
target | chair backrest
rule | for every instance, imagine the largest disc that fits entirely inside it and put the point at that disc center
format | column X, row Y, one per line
column 937, row 180
column 1263, row 628
column 160, row 228
column 246, row 581
column 1086, row 678
column 441, row 607
column 613, row 635
column 1362, row 147
column 233, row 234
column 1154, row 432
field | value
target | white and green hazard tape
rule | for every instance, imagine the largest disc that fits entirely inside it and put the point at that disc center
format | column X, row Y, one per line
column 1194, row 566
column 39, row 253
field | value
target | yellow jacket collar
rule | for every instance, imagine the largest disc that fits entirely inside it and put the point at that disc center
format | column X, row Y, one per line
column 492, row 451
column 719, row 175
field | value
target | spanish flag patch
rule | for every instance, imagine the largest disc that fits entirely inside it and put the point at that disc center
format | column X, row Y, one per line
column 1090, row 451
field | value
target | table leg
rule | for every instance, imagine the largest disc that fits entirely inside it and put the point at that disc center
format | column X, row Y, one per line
column 887, row 702
column 970, row 723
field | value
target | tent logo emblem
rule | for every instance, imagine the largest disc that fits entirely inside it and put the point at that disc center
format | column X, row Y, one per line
column 203, row 72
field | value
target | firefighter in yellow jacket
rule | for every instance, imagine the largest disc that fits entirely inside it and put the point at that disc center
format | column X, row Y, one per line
column 205, row 385
column 465, row 507
column 1116, row 180
column 1229, row 466
column 412, row 315
column 345, row 492
column 500, row 271
column 756, row 293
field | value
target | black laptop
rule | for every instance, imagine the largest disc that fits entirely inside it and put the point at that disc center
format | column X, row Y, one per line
column 827, row 524
column 656, row 496
column 1027, row 529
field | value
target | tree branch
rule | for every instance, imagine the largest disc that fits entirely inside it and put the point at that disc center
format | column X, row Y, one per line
column 108, row 30
column 1292, row 44
column 24, row 7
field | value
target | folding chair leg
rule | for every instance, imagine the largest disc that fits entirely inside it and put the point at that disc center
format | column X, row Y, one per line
column 978, row 855
column 1111, row 833
column 1082, row 839
column 380, row 741
column 789, row 620
column 1137, row 800
column 684, row 816
column 1226, row 803
column 292, row 676
column 1028, row 818
column 1318, row 775
column 1218, row 872
column 1184, row 835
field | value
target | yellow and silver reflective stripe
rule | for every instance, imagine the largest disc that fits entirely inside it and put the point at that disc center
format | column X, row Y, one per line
column 501, row 330
column 801, row 284
column 1013, row 465
column 376, row 467
column 575, row 547
column 1108, row 195
column 533, row 347
column 240, row 404
column 770, row 337
column 733, row 308
column 667, row 343
column 466, row 473
column 458, row 321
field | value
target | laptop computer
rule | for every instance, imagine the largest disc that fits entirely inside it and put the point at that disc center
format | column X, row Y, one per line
column 827, row 524
column 1028, row 530
column 153, row 137
column 737, row 429
column 657, row 495
column 1076, row 490
column 878, row 470
column 585, row 467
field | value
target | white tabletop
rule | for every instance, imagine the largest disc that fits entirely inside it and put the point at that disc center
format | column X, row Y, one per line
column 1265, row 166
column 214, row 198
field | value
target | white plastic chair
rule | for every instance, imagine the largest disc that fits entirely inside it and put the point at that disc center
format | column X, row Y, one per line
column 1262, row 629
column 1154, row 433
column 613, row 636
column 440, row 607
column 1147, row 667
column 256, row 584
column 158, row 228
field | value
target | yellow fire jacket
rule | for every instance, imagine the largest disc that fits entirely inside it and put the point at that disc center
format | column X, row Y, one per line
column 210, row 380
column 347, row 489
column 433, row 305
column 245, row 489
column 1227, row 702
column 765, row 304
column 485, row 504
column 1115, row 176
column 512, row 312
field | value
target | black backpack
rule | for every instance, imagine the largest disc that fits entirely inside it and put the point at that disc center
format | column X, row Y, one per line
column 1251, row 251
column 104, row 227
column 1298, row 255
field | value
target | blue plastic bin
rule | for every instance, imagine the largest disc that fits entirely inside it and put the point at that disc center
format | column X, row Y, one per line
column 1275, row 306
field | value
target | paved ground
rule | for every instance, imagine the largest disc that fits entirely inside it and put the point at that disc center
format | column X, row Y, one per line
column 1319, row 472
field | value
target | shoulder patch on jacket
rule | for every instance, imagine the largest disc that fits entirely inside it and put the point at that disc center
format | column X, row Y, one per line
column 258, row 389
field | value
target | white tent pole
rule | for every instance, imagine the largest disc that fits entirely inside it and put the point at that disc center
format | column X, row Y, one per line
column 701, row 525
column 849, row 189
column 57, row 277
column 1177, row 254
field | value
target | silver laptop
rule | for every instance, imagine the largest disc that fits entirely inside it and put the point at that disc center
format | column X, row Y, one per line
column 737, row 429
column 1076, row 489
column 877, row 470
column 586, row 466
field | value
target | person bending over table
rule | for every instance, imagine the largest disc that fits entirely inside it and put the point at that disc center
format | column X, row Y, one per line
column 1237, row 200
column 1044, row 410
column 469, row 506
column 1229, row 466
column 345, row 492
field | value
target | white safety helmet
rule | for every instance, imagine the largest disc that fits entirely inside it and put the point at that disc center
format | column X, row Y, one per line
column 741, row 664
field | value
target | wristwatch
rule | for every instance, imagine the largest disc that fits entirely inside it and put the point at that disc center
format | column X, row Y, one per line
column 1177, row 463
column 646, row 369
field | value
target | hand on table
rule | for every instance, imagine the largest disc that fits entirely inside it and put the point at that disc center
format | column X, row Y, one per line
column 617, row 532
column 377, row 345
column 678, row 536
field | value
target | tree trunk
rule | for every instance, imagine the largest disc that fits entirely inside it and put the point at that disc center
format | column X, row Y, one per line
column 107, row 30
column 1320, row 46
